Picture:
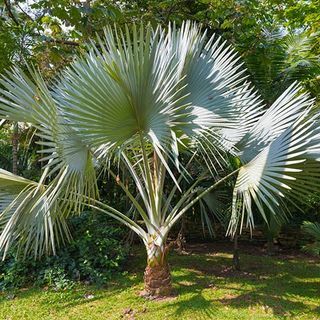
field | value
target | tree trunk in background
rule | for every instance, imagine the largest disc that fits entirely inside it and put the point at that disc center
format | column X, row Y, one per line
column 236, row 258
column 270, row 246
column 157, row 277
column 272, row 232
column 181, row 240
column 15, row 140
column 88, row 28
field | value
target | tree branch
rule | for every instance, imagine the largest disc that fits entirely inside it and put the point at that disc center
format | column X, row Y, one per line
column 10, row 13
column 25, row 13
column 61, row 41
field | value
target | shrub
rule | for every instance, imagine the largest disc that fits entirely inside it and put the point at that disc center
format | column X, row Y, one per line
column 96, row 252
column 313, row 229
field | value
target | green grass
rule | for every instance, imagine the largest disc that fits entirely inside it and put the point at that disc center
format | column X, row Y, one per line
column 206, row 287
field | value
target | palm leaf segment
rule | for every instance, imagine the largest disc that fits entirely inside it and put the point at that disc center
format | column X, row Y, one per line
column 31, row 101
column 69, row 166
column 30, row 216
column 280, row 154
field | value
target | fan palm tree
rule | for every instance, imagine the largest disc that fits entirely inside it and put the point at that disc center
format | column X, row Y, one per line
column 141, row 97
column 279, row 58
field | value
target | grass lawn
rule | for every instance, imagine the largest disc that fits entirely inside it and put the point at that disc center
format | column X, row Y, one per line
column 282, row 287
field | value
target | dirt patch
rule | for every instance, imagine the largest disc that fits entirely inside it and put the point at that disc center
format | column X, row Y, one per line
column 227, row 298
column 230, row 272
column 165, row 299
column 146, row 295
column 130, row 314
column 246, row 247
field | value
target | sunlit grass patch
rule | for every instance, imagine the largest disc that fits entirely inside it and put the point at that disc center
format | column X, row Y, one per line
column 206, row 287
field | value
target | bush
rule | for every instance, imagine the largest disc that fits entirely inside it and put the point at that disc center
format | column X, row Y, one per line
column 96, row 252
column 313, row 229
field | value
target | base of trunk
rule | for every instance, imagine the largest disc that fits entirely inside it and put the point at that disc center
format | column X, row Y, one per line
column 157, row 280
column 236, row 256
column 236, row 260
column 270, row 247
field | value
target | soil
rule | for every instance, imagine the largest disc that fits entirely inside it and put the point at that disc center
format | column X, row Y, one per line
column 246, row 247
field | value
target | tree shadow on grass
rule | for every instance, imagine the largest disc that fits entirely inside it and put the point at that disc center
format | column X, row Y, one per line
column 283, row 287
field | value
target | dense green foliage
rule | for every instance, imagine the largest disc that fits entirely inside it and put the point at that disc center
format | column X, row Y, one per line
column 95, row 254
column 48, row 33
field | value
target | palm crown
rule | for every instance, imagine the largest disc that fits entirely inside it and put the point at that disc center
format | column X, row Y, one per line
column 142, row 95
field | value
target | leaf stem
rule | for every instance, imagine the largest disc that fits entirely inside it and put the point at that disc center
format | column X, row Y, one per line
column 174, row 219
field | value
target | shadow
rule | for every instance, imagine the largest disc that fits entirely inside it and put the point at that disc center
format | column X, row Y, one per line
column 276, row 285
column 207, row 288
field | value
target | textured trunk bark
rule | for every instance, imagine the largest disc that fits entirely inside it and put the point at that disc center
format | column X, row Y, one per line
column 270, row 246
column 157, row 280
column 157, row 277
column 15, row 148
column 181, row 240
column 236, row 257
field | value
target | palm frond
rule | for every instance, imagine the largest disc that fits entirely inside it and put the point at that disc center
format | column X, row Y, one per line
column 312, row 228
column 250, row 109
column 213, row 86
column 30, row 217
column 286, row 168
column 301, row 60
column 281, row 115
column 30, row 100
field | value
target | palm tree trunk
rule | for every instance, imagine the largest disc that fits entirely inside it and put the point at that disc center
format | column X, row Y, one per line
column 270, row 245
column 236, row 258
column 15, row 149
column 181, row 240
column 157, row 277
